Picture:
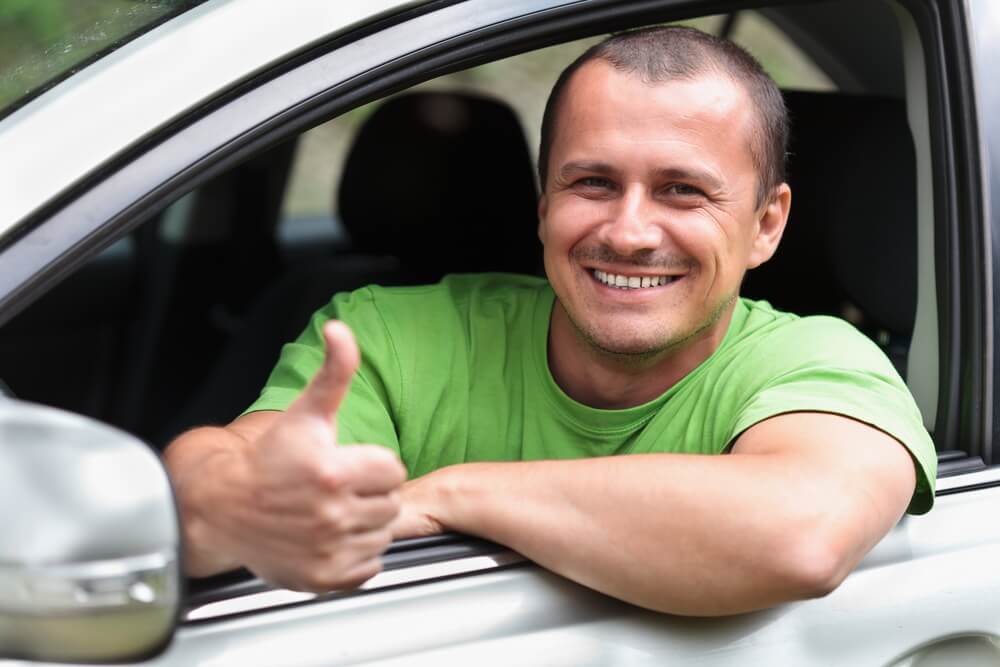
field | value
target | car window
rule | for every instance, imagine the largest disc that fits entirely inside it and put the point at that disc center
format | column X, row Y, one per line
column 523, row 81
column 202, row 267
column 44, row 41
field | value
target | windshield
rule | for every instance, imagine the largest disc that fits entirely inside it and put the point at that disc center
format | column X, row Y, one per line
column 45, row 41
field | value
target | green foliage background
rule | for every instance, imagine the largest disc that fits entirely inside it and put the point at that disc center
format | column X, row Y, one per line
column 43, row 39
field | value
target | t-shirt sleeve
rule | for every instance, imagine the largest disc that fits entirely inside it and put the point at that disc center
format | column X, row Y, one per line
column 367, row 413
column 828, row 366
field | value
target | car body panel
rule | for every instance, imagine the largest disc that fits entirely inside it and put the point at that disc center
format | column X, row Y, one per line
column 920, row 588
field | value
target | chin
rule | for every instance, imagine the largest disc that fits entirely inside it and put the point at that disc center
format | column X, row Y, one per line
column 634, row 344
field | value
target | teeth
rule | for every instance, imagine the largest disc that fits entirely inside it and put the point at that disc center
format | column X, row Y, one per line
column 631, row 282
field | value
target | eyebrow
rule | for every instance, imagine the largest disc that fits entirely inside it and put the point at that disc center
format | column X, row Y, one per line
column 585, row 165
column 709, row 180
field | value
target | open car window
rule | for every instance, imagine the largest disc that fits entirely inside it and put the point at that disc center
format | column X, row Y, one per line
column 199, row 270
column 279, row 210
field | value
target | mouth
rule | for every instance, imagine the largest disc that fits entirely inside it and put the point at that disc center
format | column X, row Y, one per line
column 632, row 282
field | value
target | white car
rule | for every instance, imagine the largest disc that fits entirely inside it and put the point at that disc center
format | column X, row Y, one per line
column 153, row 258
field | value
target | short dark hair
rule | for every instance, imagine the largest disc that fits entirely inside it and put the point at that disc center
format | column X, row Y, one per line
column 668, row 53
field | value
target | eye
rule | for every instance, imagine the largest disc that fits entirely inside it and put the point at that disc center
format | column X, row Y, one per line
column 684, row 190
column 594, row 182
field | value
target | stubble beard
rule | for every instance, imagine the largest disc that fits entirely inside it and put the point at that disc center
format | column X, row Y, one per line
column 640, row 354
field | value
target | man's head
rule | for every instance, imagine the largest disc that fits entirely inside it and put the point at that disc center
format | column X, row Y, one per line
column 673, row 53
column 662, row 158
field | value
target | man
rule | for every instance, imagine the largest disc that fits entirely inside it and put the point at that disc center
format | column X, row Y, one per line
column 663, row 182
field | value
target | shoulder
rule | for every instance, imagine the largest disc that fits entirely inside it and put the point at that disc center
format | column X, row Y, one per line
column 777, row 336
column 824, row 364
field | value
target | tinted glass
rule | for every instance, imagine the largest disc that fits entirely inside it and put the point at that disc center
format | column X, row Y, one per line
column 44, row 41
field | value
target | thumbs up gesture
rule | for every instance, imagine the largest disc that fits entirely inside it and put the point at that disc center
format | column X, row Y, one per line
column 299, row 509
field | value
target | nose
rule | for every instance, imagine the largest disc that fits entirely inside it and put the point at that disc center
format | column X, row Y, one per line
column 634, row 225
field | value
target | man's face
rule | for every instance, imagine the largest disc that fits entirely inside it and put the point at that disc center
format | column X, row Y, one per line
column 651, row 185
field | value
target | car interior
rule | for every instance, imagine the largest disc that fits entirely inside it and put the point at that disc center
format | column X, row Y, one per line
column 178, row 324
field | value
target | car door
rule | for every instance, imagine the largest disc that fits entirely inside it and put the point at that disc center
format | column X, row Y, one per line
column 926, row 593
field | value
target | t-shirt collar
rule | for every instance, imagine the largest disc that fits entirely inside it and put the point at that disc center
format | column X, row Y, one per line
column 598, row 420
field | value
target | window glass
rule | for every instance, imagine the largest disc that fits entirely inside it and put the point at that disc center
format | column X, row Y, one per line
column 44, row 41
column 523, row 81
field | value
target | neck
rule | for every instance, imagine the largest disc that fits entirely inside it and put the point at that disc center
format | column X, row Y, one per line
column 601, row 379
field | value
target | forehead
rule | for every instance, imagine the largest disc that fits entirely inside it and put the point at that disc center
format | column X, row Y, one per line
column 602, row 105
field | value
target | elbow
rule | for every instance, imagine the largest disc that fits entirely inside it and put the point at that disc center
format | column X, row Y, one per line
column 819, row 564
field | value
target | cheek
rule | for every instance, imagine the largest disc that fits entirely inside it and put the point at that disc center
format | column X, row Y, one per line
column 698, row 234
column 727, row 235
column 570, row 221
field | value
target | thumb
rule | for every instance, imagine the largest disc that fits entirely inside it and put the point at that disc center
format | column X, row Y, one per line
column 330, row 384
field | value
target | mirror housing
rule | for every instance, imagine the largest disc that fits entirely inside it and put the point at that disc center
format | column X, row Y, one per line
column 89, row 540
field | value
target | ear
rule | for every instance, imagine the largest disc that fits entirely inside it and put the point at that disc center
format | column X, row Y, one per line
column 543, row 209
column 770, row 226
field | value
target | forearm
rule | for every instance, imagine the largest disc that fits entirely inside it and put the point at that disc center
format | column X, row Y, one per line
column 685, row 534
column 193, row 461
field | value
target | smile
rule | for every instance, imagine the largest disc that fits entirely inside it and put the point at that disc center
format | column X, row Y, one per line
column 631, row 282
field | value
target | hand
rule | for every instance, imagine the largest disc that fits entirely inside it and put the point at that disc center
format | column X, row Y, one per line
column 296, row 508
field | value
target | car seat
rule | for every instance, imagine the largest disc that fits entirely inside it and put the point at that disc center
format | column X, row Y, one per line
column 850, row 247
column 434, row 183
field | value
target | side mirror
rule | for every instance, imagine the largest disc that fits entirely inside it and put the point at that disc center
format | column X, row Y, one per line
column 89, row 540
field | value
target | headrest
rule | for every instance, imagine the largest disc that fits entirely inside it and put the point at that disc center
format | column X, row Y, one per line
column 445, row 183
column 851, row 238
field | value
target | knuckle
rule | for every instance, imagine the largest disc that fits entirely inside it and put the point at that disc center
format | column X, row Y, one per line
column 333, row 518
column 333, row 477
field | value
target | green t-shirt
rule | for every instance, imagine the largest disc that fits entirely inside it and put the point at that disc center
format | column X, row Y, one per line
column 458, row 372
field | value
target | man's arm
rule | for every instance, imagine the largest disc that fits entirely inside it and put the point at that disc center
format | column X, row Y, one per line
column 787, row 516
column 273, row 490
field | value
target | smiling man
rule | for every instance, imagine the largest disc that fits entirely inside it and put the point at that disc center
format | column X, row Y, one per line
column 630, row 423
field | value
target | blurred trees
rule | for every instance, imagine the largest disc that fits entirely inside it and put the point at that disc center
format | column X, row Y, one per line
column 41, row 40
